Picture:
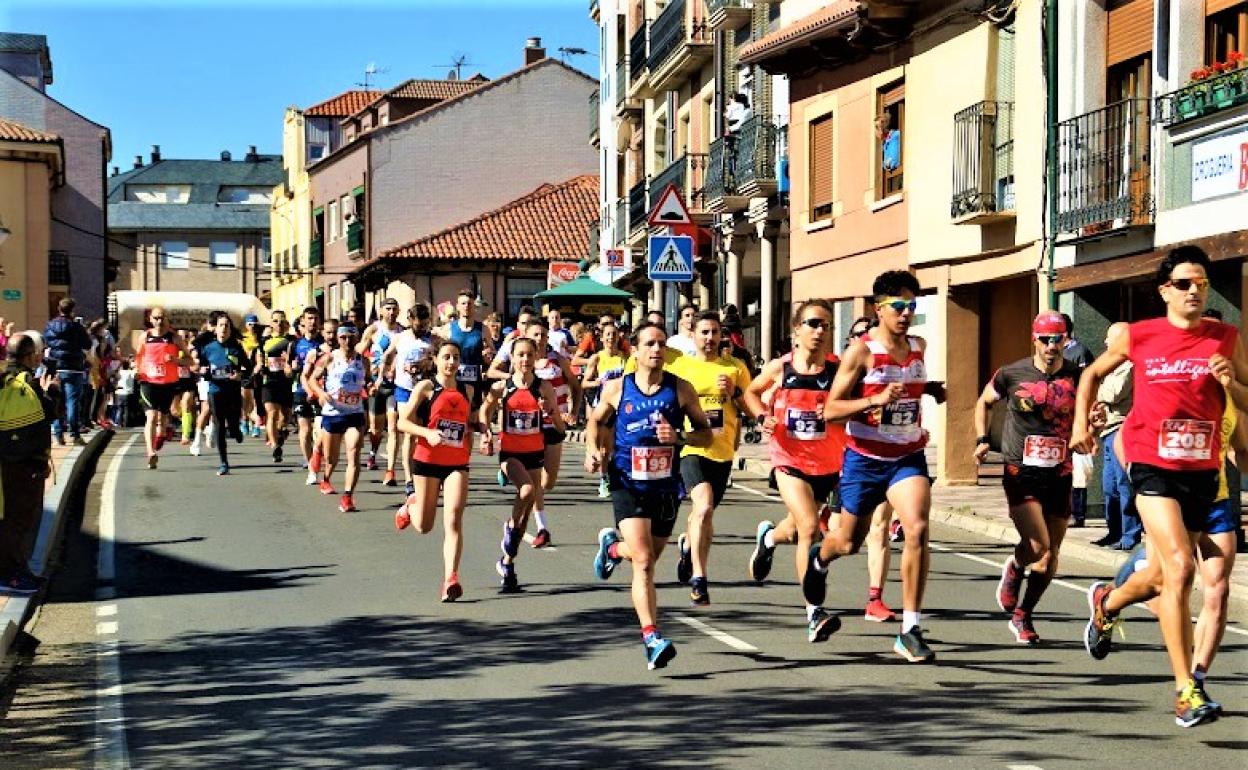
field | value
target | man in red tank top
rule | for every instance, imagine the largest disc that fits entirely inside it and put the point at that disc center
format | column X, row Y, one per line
column 1184, row 368
column 158, row 359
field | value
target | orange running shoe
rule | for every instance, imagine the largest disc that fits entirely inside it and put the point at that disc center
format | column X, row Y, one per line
column 403, row 519
column 327, row 488
column 347, row 505
column 878, row 612
column 314, row 463
column 451, row 589
column 388, row 479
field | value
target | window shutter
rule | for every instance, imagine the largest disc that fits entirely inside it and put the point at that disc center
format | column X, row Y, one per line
column 821, row 164
column 1130, row 31
column 1214, row 6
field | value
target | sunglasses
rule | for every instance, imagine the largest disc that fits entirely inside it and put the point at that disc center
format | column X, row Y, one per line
column 899, row 305
column 1185, row 284
column 1050, row 339
column 815, row 323
column 157, row 317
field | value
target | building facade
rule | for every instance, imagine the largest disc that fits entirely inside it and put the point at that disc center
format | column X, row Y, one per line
column 32, row 168
column 194, row 225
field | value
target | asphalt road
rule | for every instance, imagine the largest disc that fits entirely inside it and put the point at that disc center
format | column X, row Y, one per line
column 250, row 624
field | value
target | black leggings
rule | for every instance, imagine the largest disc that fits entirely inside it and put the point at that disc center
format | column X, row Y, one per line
column 227, row 407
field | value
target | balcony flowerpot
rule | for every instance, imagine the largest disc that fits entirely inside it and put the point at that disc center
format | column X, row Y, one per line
column 1188, row 105
column 1224, row 94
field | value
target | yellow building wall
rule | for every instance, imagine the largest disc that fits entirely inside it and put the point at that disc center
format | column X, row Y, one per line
column 25, row 209
column 290, row 220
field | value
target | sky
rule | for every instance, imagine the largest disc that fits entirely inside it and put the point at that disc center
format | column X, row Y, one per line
column 198, row 77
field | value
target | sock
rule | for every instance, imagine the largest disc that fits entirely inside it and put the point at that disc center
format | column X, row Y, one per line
column 810, row 612
column 875, row 594
column 198, row 436
column 909, row 619
column 1198, row 676
column 540, row 515
column 768, row 540
column 613, row 550
column 649, row 631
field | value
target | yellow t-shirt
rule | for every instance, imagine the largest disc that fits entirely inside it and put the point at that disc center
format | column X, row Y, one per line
column 670, row 356
column 719, row 407
column 608, row 363
column 1229, row 418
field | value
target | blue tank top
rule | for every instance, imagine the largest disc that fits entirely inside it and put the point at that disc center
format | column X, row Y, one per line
column 470, row 359
column 381, row 342
column 304, row 347
column 639, row 460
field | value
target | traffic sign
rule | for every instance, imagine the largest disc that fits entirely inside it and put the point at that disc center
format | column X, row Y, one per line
column 670, row 209
column 670, row 258
column 618, row 259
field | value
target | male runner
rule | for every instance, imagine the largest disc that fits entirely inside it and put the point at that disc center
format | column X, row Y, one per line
column 1184, row 367
column 221, row 363
column 157, row 361
column 646, row 409
column 500, row 367
column 305, row 409
column 1040, row 396
column 250, row 341
column 276, row 392
column 559, row 337
column 719, row 382
column 383, row 410
column 346, row 379
column 684, row 339
column 329, row 343
column 884, row 459
column 602, row 366
column 410, row 357
column 475, row 350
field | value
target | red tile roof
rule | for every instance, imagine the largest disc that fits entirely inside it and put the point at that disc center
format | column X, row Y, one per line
column 344, row 104
column 552, row 222
column 16, row 132
column 433, row 89
column 814, row 26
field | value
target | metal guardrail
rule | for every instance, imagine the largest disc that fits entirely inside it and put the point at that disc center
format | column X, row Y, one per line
column 983, row 159
column 716, row 5
column 638, row 205
column 1104, row 167
column 638, row 48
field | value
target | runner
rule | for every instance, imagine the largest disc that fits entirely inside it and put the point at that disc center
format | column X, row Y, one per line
column 560, row 338
column 475, row 350
column 1040, row 399
column 329, row 343
column 276, row 392
column 158, row 359
column 806, row 452
column 250, row 341
column 523, row 397
column 346, row 379
column 383, row 411
column 634, row 433
column 500, row 367
column 438, row 414
column 884, row 459
column 602, row 366
column 719, row 381
column 684, row 339
column 187, row 390
column 1183, row 367
column 203, row 414
column 555, row 369
column 221, row 364
column 409, row 357
column 306, row 410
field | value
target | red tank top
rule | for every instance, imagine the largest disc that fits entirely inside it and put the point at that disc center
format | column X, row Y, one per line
column 1178, row 405
column 158, row 360
column 896, row 430
column 803, row 439
column 522, row 418
column 447, row 412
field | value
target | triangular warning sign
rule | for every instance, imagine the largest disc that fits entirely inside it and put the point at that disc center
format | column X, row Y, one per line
column 671, row 260
column 670, row 210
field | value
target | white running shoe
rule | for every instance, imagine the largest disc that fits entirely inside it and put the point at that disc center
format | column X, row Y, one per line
column 195, row 448
column 311, row 480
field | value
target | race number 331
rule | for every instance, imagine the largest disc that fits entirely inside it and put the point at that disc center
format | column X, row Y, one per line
column 652, row 462
column 1185, row 440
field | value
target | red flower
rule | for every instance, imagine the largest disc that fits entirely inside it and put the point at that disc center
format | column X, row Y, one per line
column 1235, row 58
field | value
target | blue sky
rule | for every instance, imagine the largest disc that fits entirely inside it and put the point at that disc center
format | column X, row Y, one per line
column 200, row 77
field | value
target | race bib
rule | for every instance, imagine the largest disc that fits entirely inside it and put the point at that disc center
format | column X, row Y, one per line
column 1044, row 451
column 716, row 418
column 805, row 424
column 452, row 432
column 155, row 371
column 523, row 423
column 651, row 463
column 469, row 372
column 900, row 418
column 222, row 372
column 348, row 398
column 1185, row 440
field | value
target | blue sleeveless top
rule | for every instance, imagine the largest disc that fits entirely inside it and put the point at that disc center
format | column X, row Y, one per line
column 639, row 461
column 470, row 360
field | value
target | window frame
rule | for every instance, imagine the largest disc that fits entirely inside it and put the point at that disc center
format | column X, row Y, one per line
column 332, row 220
column 1230, row 22
column 166, row 252
column 213, row 264
column 266, row 251
column 820, row 211
column 887, row 98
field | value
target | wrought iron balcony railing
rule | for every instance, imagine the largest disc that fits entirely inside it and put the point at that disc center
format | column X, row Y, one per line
column 621, row 82
column 755, row 161
column 621, row 221
column 673, row 28
column 688, row 174
column 1204, row 97
column 718, row 184
column 983, row 160
column 638, row 48
column 1104, row 168
column 638, row 205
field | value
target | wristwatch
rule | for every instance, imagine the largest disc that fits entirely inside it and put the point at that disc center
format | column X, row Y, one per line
column 982, row 440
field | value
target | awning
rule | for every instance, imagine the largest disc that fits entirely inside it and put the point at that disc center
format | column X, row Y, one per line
column 582, row 287
column 1233, row 245
column 822, row 24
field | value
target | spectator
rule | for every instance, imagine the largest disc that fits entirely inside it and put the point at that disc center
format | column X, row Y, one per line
column 25, row 449
column 890, row 142
column 103, row 369
column 5, row 331
column 123, row 391
column 738, row 113
column 1113, row 402
column 1075, row 351
column 67, row 345
column 731, row 323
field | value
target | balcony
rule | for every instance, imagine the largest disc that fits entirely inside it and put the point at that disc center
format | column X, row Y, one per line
column 728, row 15
column 316, row 254
column 1204, row 97
column 620, row 225
column 688, row 174
column 680, row 43
column 1103, row 168
column 742, row 167
column 983, row 164
column 355, row 237
column 638, row 71
column 593, row 118
column 638, row 207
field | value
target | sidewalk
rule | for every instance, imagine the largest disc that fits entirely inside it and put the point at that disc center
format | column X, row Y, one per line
column 15, row 611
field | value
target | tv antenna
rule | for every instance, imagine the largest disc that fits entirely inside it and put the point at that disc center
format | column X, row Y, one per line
column 458, row 62
column 371, row 71
column 567, row 52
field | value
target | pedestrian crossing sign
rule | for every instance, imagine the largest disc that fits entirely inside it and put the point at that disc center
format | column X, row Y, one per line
column 670, row 258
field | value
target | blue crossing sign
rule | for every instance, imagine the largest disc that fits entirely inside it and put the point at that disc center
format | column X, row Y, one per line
column 670, row 258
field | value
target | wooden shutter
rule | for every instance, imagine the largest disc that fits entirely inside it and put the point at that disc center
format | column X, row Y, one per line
column 1130, row 31
column 1214, row 6
column 821, row 167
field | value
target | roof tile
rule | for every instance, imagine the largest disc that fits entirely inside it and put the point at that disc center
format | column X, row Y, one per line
column 433, row 89
column 822, row 21
column 11, row 131
column 344, row 104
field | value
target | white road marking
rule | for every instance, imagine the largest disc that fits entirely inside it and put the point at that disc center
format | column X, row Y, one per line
column 1023, row 767
column 529, row 539
column 754, row 491
column 106, row 610
column 715, row 633
column 111, row 752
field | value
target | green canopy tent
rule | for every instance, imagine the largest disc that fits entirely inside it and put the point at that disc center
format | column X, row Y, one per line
column 583, row 296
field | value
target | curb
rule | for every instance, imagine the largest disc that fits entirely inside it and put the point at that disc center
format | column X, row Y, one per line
column 19, row 609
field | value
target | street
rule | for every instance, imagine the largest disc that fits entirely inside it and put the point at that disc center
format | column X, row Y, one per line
column 254, row 625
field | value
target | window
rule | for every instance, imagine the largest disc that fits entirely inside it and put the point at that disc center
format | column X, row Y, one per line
column 174, row 255
column 157, row 193
column 316, row 151
column 520, row 292
column 1226, row 31
column 890, row 118
column 241, row 194
column 347, row 213
column 266, row 251
column 334, row 221
column 223, row 255
column 821, row 168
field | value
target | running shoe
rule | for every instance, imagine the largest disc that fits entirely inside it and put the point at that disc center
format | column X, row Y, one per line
column 21, row 583
column 311, row 479
column 822, row 625
column 151, row 462
column 277, row 454
column 409, row 489
column 388, row 479
column 878, row 612
column 760, row 559
column 402, row 518
column 659, row 651
column 211, row 436
column 501, row 478
column 372, row 461
column 327, row 488
column 237, row 434
column 911, row 646
column 223, row 470
column 542, row 538
column 814, row 582
column 895, row 535
column 1191, row 707
column 347, row 505
column 698, row 593
column 1007, row 588
column 195, row 449
column 684, row 562
column 825, row 518
column 1213, row 704
column 510, row 584
column 1098, row 635
column 604, row 563
column 511, row 540
column 451, row 589
column 314, row 464
column 1024, row 632
column 257, row 432
column 604, row 490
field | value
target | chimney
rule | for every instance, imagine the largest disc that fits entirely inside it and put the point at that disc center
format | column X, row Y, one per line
column 155, row 153
column 116, row 170
column 138, row 161
column 251, row 157
column 533, row 51
column 225, row 155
